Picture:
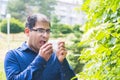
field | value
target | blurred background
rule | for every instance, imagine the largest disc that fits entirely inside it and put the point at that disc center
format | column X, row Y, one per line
column 90, row 29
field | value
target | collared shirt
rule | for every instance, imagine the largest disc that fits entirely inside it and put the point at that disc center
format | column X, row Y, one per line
column 24, row 64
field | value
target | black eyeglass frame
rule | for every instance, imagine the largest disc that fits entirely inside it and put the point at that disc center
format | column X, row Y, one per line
column 41, row 30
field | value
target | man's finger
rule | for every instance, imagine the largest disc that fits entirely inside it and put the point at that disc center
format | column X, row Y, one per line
column 46, row 45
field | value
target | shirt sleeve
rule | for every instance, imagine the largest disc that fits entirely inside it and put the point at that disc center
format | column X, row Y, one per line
column 66, row 71
column 12, row 68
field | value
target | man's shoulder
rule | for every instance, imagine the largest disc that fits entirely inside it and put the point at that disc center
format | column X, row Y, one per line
column 17, row 50
column 11, row 52
column 14, row 51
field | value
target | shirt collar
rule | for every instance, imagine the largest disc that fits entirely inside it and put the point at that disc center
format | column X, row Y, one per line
column 25, row 46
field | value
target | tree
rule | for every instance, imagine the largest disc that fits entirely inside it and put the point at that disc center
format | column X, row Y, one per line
column 17, row 9
column 75, row 49
column 21, row 8
column 58, row 29
column 102, row 30
column 47, row 7
column 55, row 22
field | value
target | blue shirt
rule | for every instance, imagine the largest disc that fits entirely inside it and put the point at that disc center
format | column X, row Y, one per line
column 24, row 64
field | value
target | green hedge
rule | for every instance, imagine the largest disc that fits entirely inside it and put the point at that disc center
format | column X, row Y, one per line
column 65, row 29
column 15, row 26
column 102, row 36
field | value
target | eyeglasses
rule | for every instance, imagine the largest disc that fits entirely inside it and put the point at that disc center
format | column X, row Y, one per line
column 41, row 30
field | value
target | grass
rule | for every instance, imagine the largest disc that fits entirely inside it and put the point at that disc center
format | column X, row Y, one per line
column 15, row 41
column 2, row 74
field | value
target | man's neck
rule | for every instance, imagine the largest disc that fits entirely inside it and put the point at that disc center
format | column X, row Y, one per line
column 32, row 48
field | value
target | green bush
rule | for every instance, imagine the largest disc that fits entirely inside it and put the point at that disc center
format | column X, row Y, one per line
column 74, row 57
column 15, row 26
column 76, row 27
column 54, row 24
column 77, row 31
column 102, row 57
column 0, row 20
column 65, row 29
column 102, row 35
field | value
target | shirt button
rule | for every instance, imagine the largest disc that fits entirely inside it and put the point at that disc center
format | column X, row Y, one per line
column 44, row 66
column 64, row 75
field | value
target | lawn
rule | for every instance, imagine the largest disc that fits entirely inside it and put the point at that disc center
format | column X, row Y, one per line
column 14, row 41
column 2, row 74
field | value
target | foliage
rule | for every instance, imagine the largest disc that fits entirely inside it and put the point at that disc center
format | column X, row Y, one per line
column 76, row 30
column 75, row 49
column 76, row 27
column 74, row 56
column 101, row 57
column 55, row 25
column 47, row 6
column 55, row 22
column 100, row 11
column 65, row 29
column 19, row 9
column 15, row 26
column 0, row 20
column 58, row 29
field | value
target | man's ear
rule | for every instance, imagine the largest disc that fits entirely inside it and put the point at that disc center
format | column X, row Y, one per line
column 27, row 31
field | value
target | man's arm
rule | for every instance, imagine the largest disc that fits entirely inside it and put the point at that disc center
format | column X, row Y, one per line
column 66, row 72
column 12, row 68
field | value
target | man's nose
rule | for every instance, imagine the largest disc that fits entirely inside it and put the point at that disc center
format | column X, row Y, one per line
column 45, row 34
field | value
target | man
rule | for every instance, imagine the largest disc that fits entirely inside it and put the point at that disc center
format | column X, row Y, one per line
column 35, row 59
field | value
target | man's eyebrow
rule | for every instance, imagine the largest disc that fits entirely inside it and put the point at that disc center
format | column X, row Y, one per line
column 42, row 28
column 39, row 28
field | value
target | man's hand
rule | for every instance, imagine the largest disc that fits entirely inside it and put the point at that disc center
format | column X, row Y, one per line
column 45, row 51
column 61, row 52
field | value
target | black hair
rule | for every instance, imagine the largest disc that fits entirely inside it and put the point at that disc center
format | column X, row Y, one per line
column 31, row 20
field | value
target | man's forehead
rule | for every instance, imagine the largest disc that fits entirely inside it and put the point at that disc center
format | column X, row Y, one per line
column 44, row 25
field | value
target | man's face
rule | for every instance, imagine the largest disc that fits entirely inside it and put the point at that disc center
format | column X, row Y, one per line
column 38, row 35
